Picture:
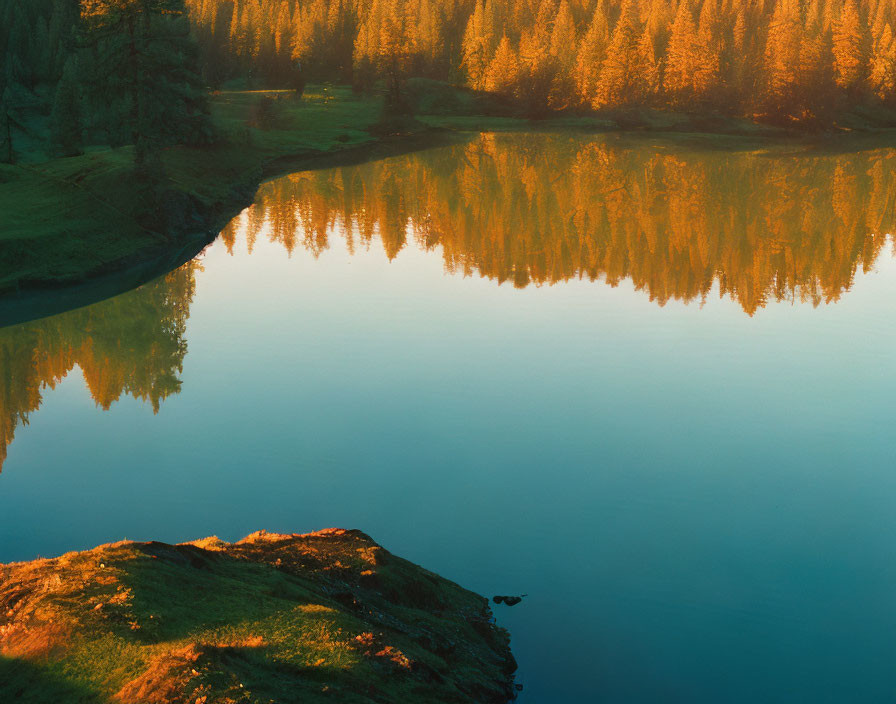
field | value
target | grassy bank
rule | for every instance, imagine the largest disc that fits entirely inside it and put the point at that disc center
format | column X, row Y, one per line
column 327, row 616
column 67, row 219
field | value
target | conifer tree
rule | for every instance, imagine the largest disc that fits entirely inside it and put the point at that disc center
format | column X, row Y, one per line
column 478, row 44
column 647, row 68
column 590, row 57
column 883, row 66
column 563, row 38
column 563, row 53
column 143, row 73
column 502, row 74
column 815, row 90
column 782, row 57
column 65, row 120
column 707, row 66
column 681, row 55
column 740, row 69
column 7, row 154
column 850, row 49
column 537, row 68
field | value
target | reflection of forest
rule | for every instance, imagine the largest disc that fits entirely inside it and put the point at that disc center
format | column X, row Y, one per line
column 131, row 344
column 528, row 209
column 544, row 208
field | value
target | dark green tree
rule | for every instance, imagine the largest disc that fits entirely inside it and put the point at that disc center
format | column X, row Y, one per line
column 65, row 120
column 7, row 155
column 143, row 68
column 18, row 65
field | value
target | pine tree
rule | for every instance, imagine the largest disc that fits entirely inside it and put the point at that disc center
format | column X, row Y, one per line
column 394, row 50
column 591, row 52
column 782, row 57
column 619, row 81
column 740, row 69
column 538, row 69
column 883, row 66
column 478, row 43
column 707, row 67
column 143, row 73
column 681, row 55
column 563, row 38
column 363, row 71
column 65, row 120
column 7, row 154
column 647, row 69
column 815, row 89
column 563, row 53
column 502, row 74
column 850, row 49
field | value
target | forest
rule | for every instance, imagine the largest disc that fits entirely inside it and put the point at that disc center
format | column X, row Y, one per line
column 111, row 72
column 766, row 59
column 138, row 71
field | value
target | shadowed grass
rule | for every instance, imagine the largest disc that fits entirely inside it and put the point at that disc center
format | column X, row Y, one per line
column 67, row 219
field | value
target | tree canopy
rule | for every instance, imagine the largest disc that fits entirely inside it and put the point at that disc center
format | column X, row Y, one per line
column 773, row 59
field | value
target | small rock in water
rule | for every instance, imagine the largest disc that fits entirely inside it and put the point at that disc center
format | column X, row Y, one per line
column 508, row 600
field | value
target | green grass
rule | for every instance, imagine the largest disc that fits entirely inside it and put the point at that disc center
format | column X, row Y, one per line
column 67, row 219
column 314, row 618
column 57, row 217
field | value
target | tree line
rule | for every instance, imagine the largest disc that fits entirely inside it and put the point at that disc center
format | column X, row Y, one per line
column 771, row 59
column 135, row 71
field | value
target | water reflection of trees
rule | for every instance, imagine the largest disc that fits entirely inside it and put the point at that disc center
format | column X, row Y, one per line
column 538, row 209
column 132, row 344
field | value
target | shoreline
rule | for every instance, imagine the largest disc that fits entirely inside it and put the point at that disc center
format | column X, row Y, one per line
column 45, row 298
column 210, row 186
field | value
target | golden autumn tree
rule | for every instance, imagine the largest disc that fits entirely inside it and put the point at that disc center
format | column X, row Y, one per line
column 782, row 57
column 619, row 82
column 538, row 68
column 681, row 55
column 851, row 49
column 708, row 47
column 590, row 56
column 815, row 93
column 883, row 66
column 479, row 43
column 647, row 68
column 564, row 40
column 502, row 74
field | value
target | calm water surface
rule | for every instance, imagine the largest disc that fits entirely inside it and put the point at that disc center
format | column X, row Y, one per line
column 649, row 384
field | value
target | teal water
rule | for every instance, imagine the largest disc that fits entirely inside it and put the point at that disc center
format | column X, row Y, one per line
column 656, row 396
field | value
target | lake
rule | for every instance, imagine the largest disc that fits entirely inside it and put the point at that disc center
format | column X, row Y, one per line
column 647, row 382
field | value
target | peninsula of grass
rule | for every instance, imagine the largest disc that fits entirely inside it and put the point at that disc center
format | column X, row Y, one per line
column 324, row 617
